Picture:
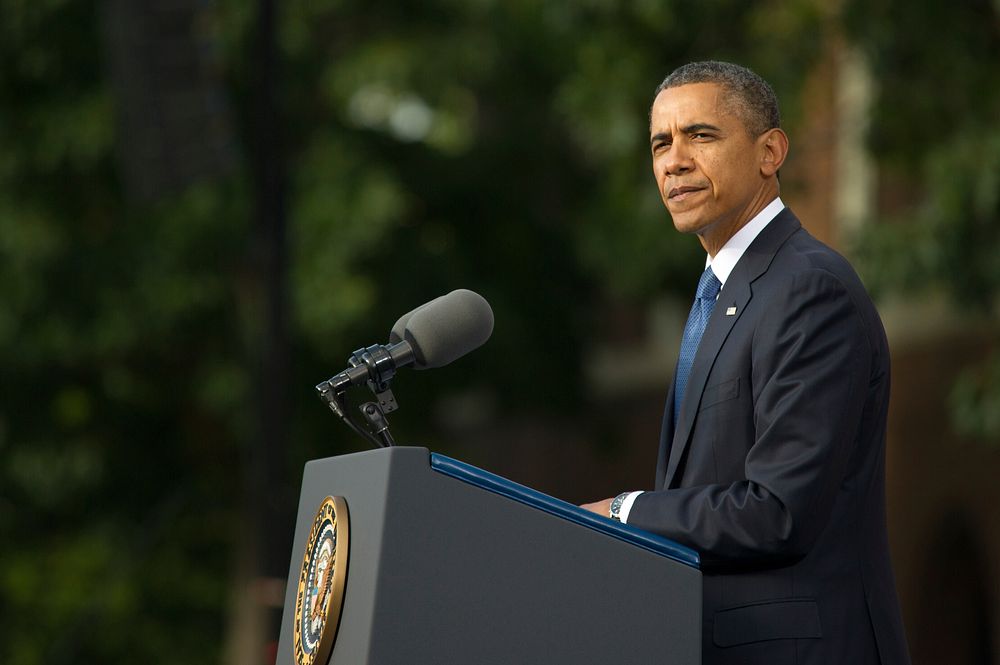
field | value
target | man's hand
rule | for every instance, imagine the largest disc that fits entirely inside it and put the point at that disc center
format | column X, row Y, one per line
column 602, row 508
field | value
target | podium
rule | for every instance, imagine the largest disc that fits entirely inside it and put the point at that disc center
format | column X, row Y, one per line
column 442, row 563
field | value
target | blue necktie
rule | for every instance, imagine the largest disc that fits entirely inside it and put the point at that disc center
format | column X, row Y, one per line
column 704, row 302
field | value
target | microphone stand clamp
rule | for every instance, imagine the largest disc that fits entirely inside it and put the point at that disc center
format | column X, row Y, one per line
column 381, row 369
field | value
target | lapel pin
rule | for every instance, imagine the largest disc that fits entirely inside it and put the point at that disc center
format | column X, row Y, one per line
column 731, row 311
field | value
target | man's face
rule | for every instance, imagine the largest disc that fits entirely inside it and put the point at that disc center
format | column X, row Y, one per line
column 706, row 165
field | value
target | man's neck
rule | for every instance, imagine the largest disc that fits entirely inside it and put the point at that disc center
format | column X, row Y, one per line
column 716, row 237
column 726, row 258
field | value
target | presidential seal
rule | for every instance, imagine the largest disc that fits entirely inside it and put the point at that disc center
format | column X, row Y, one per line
column 320, row 597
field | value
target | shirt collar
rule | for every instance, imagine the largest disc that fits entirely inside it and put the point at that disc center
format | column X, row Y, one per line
column 723, row 263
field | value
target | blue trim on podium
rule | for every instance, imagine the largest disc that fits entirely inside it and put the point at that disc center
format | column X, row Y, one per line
column 494, row 483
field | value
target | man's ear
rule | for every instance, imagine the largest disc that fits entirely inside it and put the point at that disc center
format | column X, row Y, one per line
column 774, row 149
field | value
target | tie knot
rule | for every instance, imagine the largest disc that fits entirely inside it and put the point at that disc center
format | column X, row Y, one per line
column 709, row 285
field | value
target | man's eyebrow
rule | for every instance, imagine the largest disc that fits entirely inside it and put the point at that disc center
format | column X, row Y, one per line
column 699, row 127
column 690, row 129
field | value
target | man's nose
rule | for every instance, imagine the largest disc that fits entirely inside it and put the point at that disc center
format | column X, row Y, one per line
column 678, row 159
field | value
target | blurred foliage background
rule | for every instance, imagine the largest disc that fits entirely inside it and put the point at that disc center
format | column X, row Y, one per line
column 162, row 288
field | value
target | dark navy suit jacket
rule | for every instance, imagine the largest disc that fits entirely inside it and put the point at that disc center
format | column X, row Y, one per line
column 775, row 470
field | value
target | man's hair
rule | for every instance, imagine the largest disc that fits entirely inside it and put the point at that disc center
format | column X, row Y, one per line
column 750, row 96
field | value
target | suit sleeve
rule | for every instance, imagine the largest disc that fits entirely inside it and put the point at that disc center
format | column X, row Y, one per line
column 811, row 362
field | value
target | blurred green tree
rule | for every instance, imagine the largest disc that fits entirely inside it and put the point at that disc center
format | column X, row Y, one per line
column 498, row 146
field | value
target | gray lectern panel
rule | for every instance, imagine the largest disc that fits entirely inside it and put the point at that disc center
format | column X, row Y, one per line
column 443, row 572
column 363, row 479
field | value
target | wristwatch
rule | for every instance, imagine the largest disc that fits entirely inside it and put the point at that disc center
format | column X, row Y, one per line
column 616, row 507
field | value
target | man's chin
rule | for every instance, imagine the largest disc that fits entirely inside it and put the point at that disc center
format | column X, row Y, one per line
column 686, row 223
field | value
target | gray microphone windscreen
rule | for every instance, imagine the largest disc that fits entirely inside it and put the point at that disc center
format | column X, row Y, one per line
column 398, row 331
column 447, row 328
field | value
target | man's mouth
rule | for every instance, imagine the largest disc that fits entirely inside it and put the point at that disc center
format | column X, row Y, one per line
column 683, row 192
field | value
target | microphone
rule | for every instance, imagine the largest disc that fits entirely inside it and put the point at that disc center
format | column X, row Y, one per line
column 432, row 335
column 447, row 328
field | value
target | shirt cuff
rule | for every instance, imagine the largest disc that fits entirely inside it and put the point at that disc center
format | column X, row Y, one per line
column 627, row 506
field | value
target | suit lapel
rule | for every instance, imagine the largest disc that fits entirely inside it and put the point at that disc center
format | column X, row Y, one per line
column 736, row 293
column 666, row 435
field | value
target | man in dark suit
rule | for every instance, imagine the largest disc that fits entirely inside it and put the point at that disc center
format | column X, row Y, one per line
column 772, row 452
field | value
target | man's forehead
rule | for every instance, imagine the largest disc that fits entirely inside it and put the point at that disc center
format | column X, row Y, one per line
column 693, row 103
